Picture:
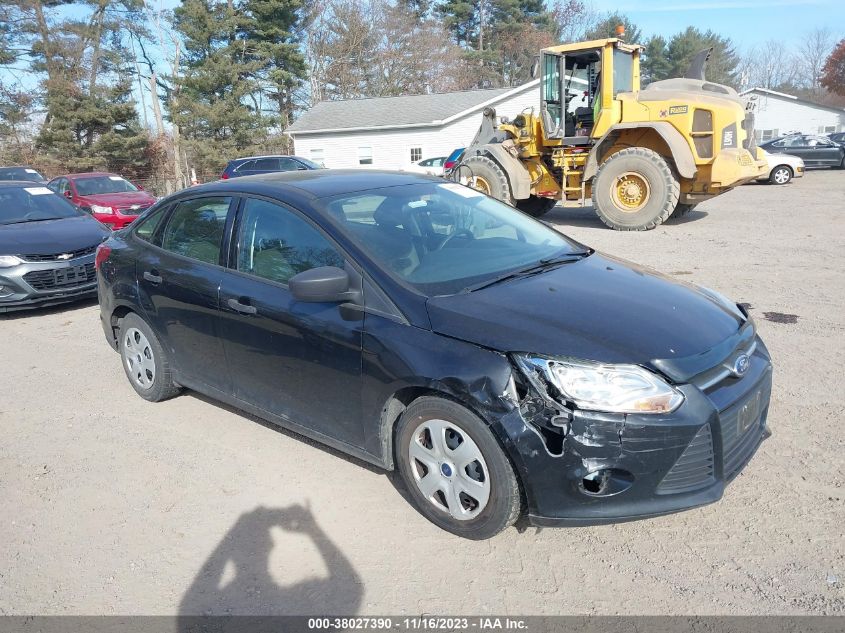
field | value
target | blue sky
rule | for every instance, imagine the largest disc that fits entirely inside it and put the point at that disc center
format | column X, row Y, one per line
column 746, row 22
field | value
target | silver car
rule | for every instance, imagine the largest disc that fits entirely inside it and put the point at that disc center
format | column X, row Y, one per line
column 782, row 168
column 47, row 248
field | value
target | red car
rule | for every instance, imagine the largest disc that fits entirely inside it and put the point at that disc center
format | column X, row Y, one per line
column 110, row 198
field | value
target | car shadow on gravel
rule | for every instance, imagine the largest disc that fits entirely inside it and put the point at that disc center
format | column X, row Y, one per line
column 238, row 576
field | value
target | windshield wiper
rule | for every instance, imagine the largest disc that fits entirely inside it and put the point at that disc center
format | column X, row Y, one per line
column 542, row 266
column 29, row 220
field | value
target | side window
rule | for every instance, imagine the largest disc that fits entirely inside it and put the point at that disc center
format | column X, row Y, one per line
column 288, row 164
column 266, row 164
column 247, row 166
column 195, row 229
column 276, row 244
column 145, row 227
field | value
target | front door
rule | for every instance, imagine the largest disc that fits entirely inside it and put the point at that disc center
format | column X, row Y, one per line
column 298, row 360
column 827, row 153
column 179, row 283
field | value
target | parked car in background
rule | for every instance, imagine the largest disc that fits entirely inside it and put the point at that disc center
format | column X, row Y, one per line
column 837, row 137
column 419, row 325
column 255, row 165
column 46, row 248
column 21, row 173
column 453, row 159
column 782, row 168
column 110, row 198
column 815, row 151
column 430, row 166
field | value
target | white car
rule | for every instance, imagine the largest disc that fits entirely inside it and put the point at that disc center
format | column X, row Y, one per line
column 782, row 168
column 431, row 166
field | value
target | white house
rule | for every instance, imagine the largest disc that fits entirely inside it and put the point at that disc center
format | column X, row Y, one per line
column 393, row 132
column 777, row 114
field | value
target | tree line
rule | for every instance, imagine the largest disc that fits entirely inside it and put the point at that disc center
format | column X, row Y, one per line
column 159, row 95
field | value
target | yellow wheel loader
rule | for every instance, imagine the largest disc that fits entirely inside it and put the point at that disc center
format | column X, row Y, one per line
column 642, row 155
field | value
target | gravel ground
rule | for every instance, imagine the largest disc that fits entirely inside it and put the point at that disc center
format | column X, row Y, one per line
column 112, row 505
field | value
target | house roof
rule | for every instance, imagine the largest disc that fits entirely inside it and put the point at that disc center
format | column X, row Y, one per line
column 381, row 113
column 788, row 97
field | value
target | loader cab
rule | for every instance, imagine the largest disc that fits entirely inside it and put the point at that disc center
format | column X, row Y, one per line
column 579, row 87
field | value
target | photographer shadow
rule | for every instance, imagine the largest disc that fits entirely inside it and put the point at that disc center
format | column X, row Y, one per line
column 237, row 578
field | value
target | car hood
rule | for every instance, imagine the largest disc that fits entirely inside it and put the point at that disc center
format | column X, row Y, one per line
column 49, row 237
column 123, row 199
column 598, row 308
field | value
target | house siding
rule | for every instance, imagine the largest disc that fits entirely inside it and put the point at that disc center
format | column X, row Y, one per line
column 391, row 149
column 777, row 115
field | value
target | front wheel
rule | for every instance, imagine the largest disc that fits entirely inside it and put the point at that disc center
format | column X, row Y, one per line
column 457, row 473
column 536, row 206
column 484, row 174
column 635, row 190
column 780, row 175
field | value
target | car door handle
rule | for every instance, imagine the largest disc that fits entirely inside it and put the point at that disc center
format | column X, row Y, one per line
column 238, row 306
column 152, row 276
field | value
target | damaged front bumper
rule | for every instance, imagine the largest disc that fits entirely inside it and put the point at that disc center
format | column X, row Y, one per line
column 587, row 468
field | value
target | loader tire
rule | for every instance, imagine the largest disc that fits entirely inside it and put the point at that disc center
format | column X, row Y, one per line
column 485, row 175
column 635, row 190
column 536, row 206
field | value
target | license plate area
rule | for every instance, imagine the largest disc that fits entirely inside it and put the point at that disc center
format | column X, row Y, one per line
column 69, row 276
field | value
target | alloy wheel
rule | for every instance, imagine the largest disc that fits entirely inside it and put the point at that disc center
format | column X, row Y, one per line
column 449, row 469
column 138, row 357
column 781, row 176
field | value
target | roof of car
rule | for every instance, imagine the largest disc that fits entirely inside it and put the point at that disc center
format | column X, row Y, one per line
column 319, row 183
column 87, row 174
column 267, row 156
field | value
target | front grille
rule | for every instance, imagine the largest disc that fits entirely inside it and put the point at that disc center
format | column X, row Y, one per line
column 61, row 278
column 694, row 468
column 742, row 431
column 61, row 256
column 137, row 211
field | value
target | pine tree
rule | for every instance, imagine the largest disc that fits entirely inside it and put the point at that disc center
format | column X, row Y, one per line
column 606, row 27
column 655, row 65
column 722, row 67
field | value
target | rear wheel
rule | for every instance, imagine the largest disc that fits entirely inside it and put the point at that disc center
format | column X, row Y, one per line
column 635, row 190
column 484, row 174
column 144, row 360
column 536, row 206
column 780, row 175
column 456, row 472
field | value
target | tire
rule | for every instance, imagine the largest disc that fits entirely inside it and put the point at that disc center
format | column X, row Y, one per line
column 780, row 175
column 536, row 206
column 486, row 176
column 457, row 501
column 144, row 360
column 653, row 190
column 683, row 209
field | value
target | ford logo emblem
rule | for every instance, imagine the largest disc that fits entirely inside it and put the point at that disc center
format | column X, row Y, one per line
column 741, row 365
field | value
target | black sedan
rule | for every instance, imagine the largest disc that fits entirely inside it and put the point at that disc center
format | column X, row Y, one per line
column 815, row 151
column 46, row 248
column 499, row 366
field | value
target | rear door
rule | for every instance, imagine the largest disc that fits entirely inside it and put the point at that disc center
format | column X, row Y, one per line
column 179, row 279
column 298, row 360
column 827, row 152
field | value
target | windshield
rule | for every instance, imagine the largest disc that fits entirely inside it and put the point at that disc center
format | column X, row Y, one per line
column 20, row 173
column 103, row 184
column 31, row 204
column 443, row 238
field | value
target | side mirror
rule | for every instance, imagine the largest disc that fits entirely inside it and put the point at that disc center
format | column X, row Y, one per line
column 535, row 67
column 326, row 284
column 68, row 194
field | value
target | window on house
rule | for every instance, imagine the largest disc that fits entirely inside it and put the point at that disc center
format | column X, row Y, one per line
column 765, row 135
column 827, row 129
column 416, row 154
column 317, row 156
column 365, row 155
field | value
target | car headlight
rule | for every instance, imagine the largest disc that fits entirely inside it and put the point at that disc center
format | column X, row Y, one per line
column 7, row 261
column 596, row 387
column 96, row 208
